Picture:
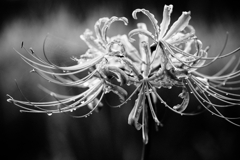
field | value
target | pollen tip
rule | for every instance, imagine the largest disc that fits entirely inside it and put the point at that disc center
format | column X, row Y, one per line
column 9, row 100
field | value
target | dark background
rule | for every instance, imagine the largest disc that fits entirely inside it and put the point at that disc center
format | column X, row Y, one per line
column 105, row 135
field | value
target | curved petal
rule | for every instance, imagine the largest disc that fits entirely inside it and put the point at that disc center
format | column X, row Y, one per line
column 97, row 27
column 185, row 96
column 108, row 24
column 179, row 25
column 150, row 16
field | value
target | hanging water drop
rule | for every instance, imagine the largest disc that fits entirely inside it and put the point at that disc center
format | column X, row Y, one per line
column 49, row 114
column 9, row 100
column 82, row 102
column 150, row 90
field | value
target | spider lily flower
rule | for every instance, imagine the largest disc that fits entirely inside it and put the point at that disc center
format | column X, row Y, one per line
column 169, row 62
column 99, row 60
column 150, row 70
column 173, row 59
column 172, row 63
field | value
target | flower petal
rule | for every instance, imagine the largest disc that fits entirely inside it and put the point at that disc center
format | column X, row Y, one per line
column 140, row 31
column 135, row 113
column 144, row 124
column 166, row 20
column 150, row 16
column 108, row 24
column 131, row 51
column 185, row 96
column 97, row 28
column 179, row 25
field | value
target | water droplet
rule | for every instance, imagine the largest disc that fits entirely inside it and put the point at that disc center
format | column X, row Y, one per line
column 82, row 102
column 49, row 114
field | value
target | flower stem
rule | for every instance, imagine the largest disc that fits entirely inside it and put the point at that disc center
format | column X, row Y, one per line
column 145, row 151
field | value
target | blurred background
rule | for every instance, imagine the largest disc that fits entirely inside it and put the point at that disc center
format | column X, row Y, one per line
column 105, row 135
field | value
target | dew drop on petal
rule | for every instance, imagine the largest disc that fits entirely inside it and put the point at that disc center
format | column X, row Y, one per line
column 82, row 102
column 150, row 90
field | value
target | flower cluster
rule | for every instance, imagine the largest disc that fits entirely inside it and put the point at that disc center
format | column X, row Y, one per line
column 168, row 57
